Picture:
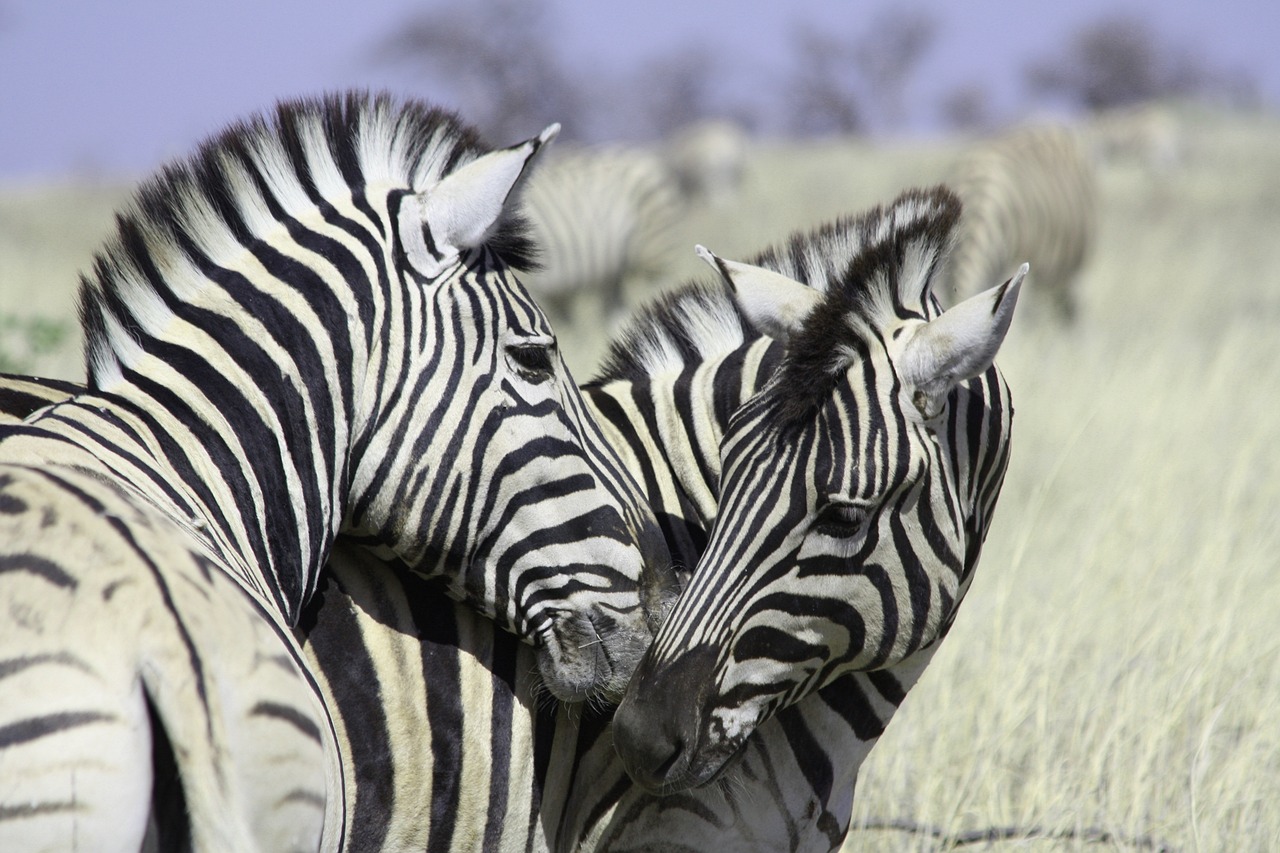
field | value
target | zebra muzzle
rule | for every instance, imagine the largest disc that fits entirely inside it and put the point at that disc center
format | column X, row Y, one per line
column 658, row 730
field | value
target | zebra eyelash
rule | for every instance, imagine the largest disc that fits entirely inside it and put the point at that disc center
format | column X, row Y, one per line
column 532, row 361
column 841, row 519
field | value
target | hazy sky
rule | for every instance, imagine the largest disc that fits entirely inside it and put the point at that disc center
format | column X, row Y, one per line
column 113, row 87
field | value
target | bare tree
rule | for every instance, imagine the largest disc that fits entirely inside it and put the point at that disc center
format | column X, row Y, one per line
column 888, row 54
column 968, row 108
column 848, row 83
column 1119, row 61
column 498, row 54
column 675, row 90
column 822, row 97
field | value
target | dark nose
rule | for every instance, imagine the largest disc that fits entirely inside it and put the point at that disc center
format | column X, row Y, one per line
column 656, row 728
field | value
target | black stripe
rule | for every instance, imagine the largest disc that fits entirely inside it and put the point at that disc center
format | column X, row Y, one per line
column 34, row 728
column 13, row 666
column 287, row 714
column 331, row 624
column 41, row 567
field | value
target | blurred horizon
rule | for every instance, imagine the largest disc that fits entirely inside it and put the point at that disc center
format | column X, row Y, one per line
column 98, row 92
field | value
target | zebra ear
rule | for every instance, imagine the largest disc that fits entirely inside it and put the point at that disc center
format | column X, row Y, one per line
column 775, row 304
column 462, row 210
column 957, row 345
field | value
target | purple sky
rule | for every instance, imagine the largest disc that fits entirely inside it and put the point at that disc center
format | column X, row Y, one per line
column 113, row 88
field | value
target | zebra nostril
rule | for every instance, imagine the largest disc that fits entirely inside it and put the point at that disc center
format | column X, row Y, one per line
column 651, row 753
column 677, row 750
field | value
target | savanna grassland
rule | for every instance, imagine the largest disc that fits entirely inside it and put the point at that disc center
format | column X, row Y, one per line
column 1113, row 680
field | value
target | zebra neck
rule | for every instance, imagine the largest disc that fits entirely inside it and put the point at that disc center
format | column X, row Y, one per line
column 668, row 427
column 261, row 500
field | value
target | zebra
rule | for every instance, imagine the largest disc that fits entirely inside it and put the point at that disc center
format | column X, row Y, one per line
column 310, row 329
column 855, row 491
column 1148, row 136
column 709, row 158
column 502, row 770
column 605, row 219
column 1030, row 194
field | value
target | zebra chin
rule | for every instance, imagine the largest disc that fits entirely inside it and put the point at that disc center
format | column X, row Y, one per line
column 590, row 655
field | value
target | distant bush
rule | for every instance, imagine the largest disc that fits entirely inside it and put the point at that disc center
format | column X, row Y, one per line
column 24, row 339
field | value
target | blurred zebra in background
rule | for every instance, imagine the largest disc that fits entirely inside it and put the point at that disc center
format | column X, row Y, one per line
column 309, row 329
column 1149, row 136
column 605, row 220
column 709, row 159
column 1029, row 195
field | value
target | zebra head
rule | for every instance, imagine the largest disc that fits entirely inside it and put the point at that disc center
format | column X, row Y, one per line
column 315, row 328
column 483, row 468
column 851, row 509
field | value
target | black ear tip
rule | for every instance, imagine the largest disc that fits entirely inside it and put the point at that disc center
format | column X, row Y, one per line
column 717, row 263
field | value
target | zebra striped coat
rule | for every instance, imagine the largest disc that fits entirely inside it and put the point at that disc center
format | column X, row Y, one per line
column 1029, row 195
column 309, row 328
column 511, row 773
column 855, row 491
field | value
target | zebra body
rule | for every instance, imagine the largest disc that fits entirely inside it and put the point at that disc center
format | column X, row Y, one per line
column 106, row 680
column 310, row 328
column 1029, row 195
column 513, row 773
column 604, row 219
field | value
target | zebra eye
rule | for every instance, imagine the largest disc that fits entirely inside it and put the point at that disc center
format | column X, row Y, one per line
column 533, row 361
column 840, row 520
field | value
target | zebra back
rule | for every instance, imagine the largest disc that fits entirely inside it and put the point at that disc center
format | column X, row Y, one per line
column 22, row 396
column 1029, row 195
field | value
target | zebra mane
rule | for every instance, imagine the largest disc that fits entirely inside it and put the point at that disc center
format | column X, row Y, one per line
column 871, row 267
column 245, row 183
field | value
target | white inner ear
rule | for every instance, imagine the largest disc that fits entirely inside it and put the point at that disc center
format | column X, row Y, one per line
column 461, row 211
column 958, row 345
column 775, row 304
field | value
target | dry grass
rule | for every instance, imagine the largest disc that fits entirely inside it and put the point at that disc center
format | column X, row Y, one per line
column 1116, row 664
column 1113, row 670
column 47, row 237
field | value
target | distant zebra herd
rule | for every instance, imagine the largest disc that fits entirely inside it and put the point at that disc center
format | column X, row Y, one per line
column 331, row 553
